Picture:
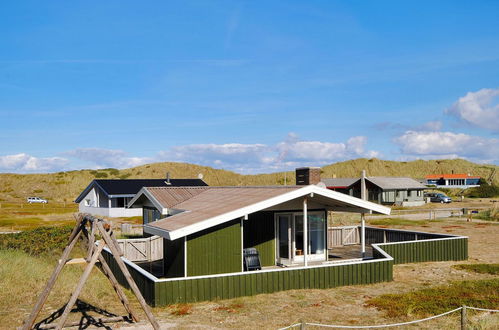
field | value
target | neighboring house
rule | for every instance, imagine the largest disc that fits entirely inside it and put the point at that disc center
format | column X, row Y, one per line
column 206, row 230
column 341, row 185
column 382, row 190
column 461, row 181
column 391, row 190
column 110, row 197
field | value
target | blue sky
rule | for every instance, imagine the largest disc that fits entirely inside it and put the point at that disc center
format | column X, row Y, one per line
column 249, row 86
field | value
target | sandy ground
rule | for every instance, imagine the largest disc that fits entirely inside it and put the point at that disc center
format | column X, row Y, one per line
column 344, row 305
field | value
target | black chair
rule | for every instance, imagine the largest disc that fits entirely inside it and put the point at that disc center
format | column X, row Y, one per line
column 251, row 259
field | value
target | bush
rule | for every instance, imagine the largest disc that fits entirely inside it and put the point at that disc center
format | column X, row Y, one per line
column 37, row 241
column 484, row 191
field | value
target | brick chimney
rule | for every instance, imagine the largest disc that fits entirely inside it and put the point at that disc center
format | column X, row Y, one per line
column 308, row 175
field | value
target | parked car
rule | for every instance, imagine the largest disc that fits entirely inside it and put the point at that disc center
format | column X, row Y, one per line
column 438, row 198
column 36, row 200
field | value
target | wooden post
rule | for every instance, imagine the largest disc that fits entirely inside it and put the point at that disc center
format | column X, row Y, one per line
column 95, row 253
column 463, row 318
column 305, row 232
column 128, row 277
column 363, row 195
column 50, row 284
column 302, row 325
column 114, row 282
column 79, row 287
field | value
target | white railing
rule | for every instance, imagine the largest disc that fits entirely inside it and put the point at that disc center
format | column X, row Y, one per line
column 111, row 212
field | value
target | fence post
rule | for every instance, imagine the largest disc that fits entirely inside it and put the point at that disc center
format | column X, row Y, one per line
column 463, row 317
column 302, row 325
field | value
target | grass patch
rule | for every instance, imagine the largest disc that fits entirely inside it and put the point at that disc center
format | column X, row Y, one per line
column 492, row 269
column 437, row 300
column 182, row 309
column 22, row 222
column 397, row 222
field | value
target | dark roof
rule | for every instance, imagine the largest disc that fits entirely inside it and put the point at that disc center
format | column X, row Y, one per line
column 132, row 186
column 338, row 182
column 392, row 183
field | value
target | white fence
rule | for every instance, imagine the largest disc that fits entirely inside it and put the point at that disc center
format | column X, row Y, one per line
column 464, row 321
column 142, row 249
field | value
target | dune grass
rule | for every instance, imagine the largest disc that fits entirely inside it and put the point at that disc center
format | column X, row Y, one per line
column 66, row 186
column 24, row 276
column 26, row 261
column 439, row 299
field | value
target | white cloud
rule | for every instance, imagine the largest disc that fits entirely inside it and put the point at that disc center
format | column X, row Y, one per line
column 295, row 150
column 435, row 125
column 26, row 163
column 478, row 109
column 448, row 145
column 255, row 158
column 101, row 158
column 233, row 156
column 242, row 158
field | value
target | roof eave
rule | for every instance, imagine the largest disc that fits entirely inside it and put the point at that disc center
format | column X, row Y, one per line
column 144, row 191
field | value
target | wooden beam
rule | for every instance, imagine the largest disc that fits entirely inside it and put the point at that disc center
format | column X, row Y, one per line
column 79, row 287
column 50, row 284
column 128, row 277
column 117, row 288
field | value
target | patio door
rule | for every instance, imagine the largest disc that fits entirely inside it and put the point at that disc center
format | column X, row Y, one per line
column 289, row 238
column 284, row 233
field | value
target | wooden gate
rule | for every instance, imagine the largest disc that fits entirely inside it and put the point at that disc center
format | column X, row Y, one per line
column 142, row 249
column 340, row 236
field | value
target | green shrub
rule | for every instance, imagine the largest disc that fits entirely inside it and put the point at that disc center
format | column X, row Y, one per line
column 112, row 171
column 101, row 175
column 490, row 214
column 484, row 191
column 37, row 241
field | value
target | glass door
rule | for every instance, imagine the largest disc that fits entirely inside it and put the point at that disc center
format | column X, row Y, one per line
column 283, row 223
column 289, row 245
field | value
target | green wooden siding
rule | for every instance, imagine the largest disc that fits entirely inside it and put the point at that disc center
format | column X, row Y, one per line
column 259, row 233
column 146, row 286
column 253, row 283
column 183, row 290
column 173, row 257
column 215, row 250
column 428, row 250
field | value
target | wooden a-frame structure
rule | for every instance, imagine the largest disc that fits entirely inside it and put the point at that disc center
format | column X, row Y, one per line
column 87, row 227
